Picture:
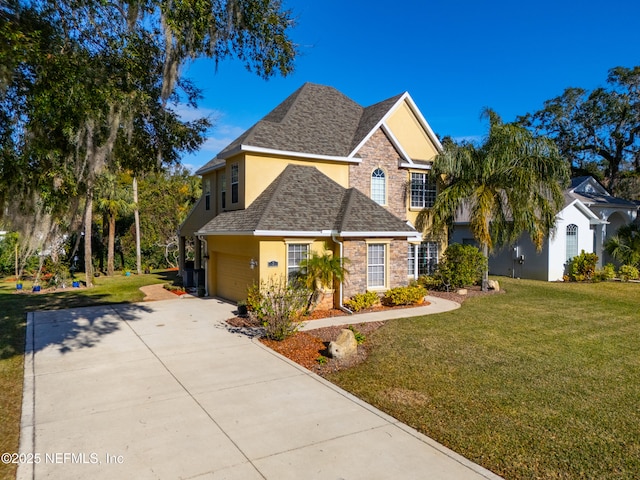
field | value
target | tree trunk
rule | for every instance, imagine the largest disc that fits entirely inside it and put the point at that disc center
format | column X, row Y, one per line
column 485, row 273
column 136, row 216
column 88, row 260
column 111, row 243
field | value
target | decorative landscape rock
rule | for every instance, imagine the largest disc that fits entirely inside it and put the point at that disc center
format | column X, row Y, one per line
column 493, row 285
column 345, row 345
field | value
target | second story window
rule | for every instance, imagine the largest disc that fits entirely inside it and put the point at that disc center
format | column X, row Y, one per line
column 223, row 191
column 378, row 187
column 207, row 194
column 234, row 183
column 423, row 190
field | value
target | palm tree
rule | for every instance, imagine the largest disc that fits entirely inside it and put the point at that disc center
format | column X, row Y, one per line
column 317, row 273
column 112, row 201
column 625, row 246
column 510, row 184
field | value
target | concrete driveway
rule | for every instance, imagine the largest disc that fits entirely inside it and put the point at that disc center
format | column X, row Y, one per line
column 167, row 390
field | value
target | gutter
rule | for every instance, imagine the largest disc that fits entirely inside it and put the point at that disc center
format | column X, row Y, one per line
column 334, row 237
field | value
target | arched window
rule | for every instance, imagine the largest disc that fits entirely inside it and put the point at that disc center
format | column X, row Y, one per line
column 572, row 241
column 378, row 187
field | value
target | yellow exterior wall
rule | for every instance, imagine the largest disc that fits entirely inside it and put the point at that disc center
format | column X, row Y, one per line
column 407, row 129
column 258, row 171
column 275, row 250
column 229, row 271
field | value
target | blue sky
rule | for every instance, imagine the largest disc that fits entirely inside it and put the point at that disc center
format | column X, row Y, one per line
column 453, row 57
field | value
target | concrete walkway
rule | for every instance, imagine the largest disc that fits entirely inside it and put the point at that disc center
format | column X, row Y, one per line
column 168, row 390
column 436, row 305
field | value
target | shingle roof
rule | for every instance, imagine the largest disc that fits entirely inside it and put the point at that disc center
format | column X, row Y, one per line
column 302, row 199
column 595, row 194
column 316, row 120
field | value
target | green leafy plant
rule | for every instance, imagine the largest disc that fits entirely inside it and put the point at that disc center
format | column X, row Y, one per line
column 277, row 306
column 608, row 272
column 429, row 282
column 359, row 336
column 461, row 266
column 625, row 246
column 254, row 297
column 628, row 272
column 582, row 267
column 409, row 295
column 317, row 273
column 322, row 360
column 361, row 301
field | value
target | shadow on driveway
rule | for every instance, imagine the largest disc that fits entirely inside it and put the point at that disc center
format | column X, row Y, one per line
column 78, row 328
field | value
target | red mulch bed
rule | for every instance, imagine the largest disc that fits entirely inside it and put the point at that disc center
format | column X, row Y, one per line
column 306, row 348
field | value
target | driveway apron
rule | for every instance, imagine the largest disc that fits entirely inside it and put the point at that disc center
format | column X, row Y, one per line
column 168, row 390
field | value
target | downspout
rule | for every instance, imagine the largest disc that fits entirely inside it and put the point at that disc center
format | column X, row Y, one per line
column 206, row 265
column 334, row 237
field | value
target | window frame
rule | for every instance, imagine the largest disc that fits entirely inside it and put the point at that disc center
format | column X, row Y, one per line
column 381, row 268
column 207, row 193
column 571, row 231
column 223, row 191
column 379, row 186
column 305, row 253
column 235, row 182
column 423, row 190
column 415, row 266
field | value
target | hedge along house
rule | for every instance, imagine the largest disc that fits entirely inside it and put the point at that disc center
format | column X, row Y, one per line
column 318, row 173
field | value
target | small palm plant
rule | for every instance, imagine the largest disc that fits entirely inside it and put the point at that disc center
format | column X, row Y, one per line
column 625, row 246
column 317, row 274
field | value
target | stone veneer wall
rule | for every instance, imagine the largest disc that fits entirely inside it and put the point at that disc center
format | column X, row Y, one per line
column 356, row 252
column 379, row 152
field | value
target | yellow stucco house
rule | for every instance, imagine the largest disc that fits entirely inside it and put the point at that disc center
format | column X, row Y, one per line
column 319, row 172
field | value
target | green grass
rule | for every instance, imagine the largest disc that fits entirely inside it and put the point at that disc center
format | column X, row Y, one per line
column 14, row 307
column 540, row 382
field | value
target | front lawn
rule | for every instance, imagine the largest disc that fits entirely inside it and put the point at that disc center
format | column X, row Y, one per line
column 14, row 307
column 540, row 382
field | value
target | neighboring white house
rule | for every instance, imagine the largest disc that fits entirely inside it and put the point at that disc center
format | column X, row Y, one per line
column 590, row 216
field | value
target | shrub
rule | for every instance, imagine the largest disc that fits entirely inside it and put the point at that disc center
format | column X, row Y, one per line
column 253, row 297
column 582, row 267
column 317, row 272
column 360, row 301
column 628, row 272
column 409, row 295
column 461, row 266
column 429, row 282
column 608, row 272
column 359, row 336
column 277, row 305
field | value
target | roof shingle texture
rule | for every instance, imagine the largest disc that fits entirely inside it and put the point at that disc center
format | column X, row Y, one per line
column 302, row 199
column 315, row 120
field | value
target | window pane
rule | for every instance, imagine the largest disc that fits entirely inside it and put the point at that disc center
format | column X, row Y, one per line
column 223, row 191
column 234, row 183
column 295, row 254
column 572, row 241
column 207, row 194
column 376, row 265
column 423, row 190
column 427, row 258
column 378, row 186
column 411, row 260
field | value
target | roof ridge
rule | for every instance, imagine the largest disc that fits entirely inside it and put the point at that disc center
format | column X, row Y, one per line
column 345, row 208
